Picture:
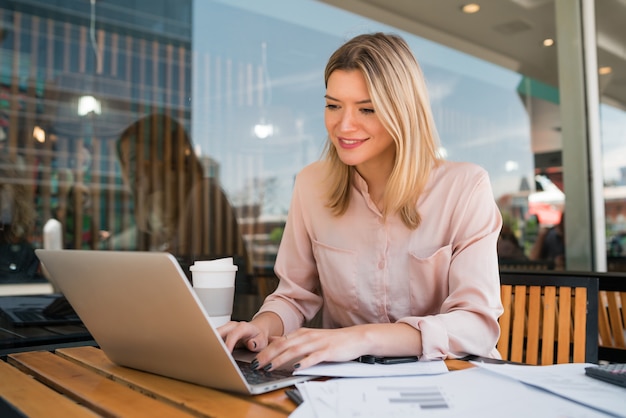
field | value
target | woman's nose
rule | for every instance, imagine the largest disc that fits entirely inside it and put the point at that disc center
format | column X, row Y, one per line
column 347, row 122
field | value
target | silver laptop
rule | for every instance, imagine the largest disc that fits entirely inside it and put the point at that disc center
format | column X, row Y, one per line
column 143, row 313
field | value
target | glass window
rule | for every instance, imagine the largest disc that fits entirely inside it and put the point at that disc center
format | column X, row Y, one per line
column 179, row 126
column 611, row 39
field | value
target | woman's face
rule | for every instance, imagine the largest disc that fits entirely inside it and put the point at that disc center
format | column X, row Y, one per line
column 359, row 137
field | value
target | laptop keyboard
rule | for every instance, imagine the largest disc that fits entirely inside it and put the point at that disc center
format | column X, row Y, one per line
column 259, row 376
column 29, row 315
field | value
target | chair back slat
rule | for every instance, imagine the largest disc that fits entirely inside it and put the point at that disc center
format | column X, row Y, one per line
column 534, row 318
column 564, row 324
column 580, row 314
column 604, row 328
column 547, row 337
column 519, row 317
column 622, row 308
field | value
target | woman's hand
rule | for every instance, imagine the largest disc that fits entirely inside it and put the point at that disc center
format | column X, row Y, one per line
column 307, row 346
column 244, row 334
column 253, row 335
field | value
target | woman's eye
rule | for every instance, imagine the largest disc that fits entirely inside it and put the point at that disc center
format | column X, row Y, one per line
column 367, row 111
column 331, row 106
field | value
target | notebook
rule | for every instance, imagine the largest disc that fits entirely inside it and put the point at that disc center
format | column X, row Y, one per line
column 143, row 313
column 35, row 310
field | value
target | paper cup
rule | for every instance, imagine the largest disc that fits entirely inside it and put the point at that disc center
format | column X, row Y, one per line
column 214, row 284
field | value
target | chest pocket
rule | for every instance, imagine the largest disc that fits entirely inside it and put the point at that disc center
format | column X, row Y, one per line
column 430, row 282
column 337, row 269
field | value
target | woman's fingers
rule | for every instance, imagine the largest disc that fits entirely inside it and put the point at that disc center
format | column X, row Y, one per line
column 244, row 333
column 305, row 348
column 227, row 328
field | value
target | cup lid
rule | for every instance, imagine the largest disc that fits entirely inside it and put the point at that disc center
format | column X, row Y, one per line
column 220, row 264
column 213, row 268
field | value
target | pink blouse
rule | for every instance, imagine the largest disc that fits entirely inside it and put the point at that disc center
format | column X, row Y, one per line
column 441, row 278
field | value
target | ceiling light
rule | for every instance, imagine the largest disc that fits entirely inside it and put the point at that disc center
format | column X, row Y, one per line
column 88, row 104
column 470, row 8
column 511, row 166
column 263, row 130
column 605, row 70
column 548, row 42
column 39, row 134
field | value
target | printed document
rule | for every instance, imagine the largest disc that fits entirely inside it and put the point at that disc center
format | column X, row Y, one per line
column 466, row 393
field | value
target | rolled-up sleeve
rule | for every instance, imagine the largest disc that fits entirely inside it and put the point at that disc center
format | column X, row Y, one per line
column 467, row 322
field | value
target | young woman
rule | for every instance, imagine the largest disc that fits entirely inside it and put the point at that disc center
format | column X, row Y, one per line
column 395, row 245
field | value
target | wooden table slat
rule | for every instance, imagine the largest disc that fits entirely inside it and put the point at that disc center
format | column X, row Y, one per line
column 20, row 389
column 198, row 398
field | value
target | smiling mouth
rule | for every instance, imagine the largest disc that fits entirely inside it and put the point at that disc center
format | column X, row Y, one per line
column 351, row 141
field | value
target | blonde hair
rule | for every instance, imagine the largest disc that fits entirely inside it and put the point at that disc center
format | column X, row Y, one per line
column 400, row 99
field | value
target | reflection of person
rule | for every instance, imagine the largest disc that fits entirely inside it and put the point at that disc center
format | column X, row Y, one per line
column 508, row 245
column 550, row 245
column 78, row 218
column 17, row 218
column 177, row 208
column 395, row 245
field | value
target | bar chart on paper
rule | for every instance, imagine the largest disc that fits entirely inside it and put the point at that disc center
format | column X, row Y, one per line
column 398, row 399
column 420, row 397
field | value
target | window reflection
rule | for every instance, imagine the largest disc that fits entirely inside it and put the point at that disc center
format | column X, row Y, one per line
column 17, row 221
column 165, row 127
column 177, row 202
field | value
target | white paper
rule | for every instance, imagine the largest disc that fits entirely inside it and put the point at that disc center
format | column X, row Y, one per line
column 356, row 369
column 567, row 380
column 467, row 393
column 304, row 410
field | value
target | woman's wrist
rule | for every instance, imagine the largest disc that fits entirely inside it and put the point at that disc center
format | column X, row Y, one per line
column 268, row 324
column 396, row 339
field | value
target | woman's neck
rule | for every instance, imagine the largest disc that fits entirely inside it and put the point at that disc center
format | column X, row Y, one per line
column 376, row 181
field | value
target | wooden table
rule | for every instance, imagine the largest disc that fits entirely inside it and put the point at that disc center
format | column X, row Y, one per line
column 83, row 382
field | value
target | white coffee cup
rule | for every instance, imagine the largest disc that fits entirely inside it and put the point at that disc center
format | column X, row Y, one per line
column 214, row 284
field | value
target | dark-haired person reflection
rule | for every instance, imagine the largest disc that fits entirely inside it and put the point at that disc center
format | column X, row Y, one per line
column 550, row 244
column 178, row 206
column 18, row 261
column 396, row 246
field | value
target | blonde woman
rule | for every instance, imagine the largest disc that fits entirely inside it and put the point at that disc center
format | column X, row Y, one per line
column 396, row 246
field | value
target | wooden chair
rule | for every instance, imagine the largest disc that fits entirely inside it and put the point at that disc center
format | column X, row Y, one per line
column 612, row 317
column 548, row 318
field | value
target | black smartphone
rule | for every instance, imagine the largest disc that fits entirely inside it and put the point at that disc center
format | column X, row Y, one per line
column 396, row 360
column 386, row 360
